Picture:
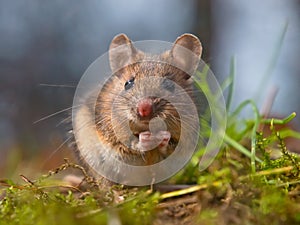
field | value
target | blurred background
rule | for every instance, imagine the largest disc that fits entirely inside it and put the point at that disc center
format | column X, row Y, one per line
column 45, row 47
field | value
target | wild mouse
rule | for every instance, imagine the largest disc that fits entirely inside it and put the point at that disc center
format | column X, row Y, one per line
column 131, row 121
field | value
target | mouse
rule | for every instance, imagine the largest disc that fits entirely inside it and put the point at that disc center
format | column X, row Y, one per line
column 131, row 122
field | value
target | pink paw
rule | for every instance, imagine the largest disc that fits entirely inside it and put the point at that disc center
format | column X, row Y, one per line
column 149, row 141
column 165, row 138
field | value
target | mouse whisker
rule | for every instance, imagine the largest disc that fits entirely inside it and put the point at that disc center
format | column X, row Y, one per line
column 58, row 85
column 56, row 113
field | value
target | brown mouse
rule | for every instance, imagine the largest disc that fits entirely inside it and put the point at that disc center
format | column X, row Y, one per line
column 132, row 123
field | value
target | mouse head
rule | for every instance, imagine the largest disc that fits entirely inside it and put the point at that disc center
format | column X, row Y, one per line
column 131, row 65
column 144, row 87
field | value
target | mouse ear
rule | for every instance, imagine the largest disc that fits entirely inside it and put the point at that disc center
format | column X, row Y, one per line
column 186, row 52
column 121, row 52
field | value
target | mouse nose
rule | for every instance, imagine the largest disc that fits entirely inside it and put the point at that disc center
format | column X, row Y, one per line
column 145, row 107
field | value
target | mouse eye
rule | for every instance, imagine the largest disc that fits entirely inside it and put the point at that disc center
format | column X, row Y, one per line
column 169, row 85
column 129, row 84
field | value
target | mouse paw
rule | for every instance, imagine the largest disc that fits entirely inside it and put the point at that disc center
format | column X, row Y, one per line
column 165, row 138
column 149, row 141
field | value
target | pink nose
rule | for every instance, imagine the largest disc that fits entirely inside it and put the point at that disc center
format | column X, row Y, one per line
column 145, row 107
